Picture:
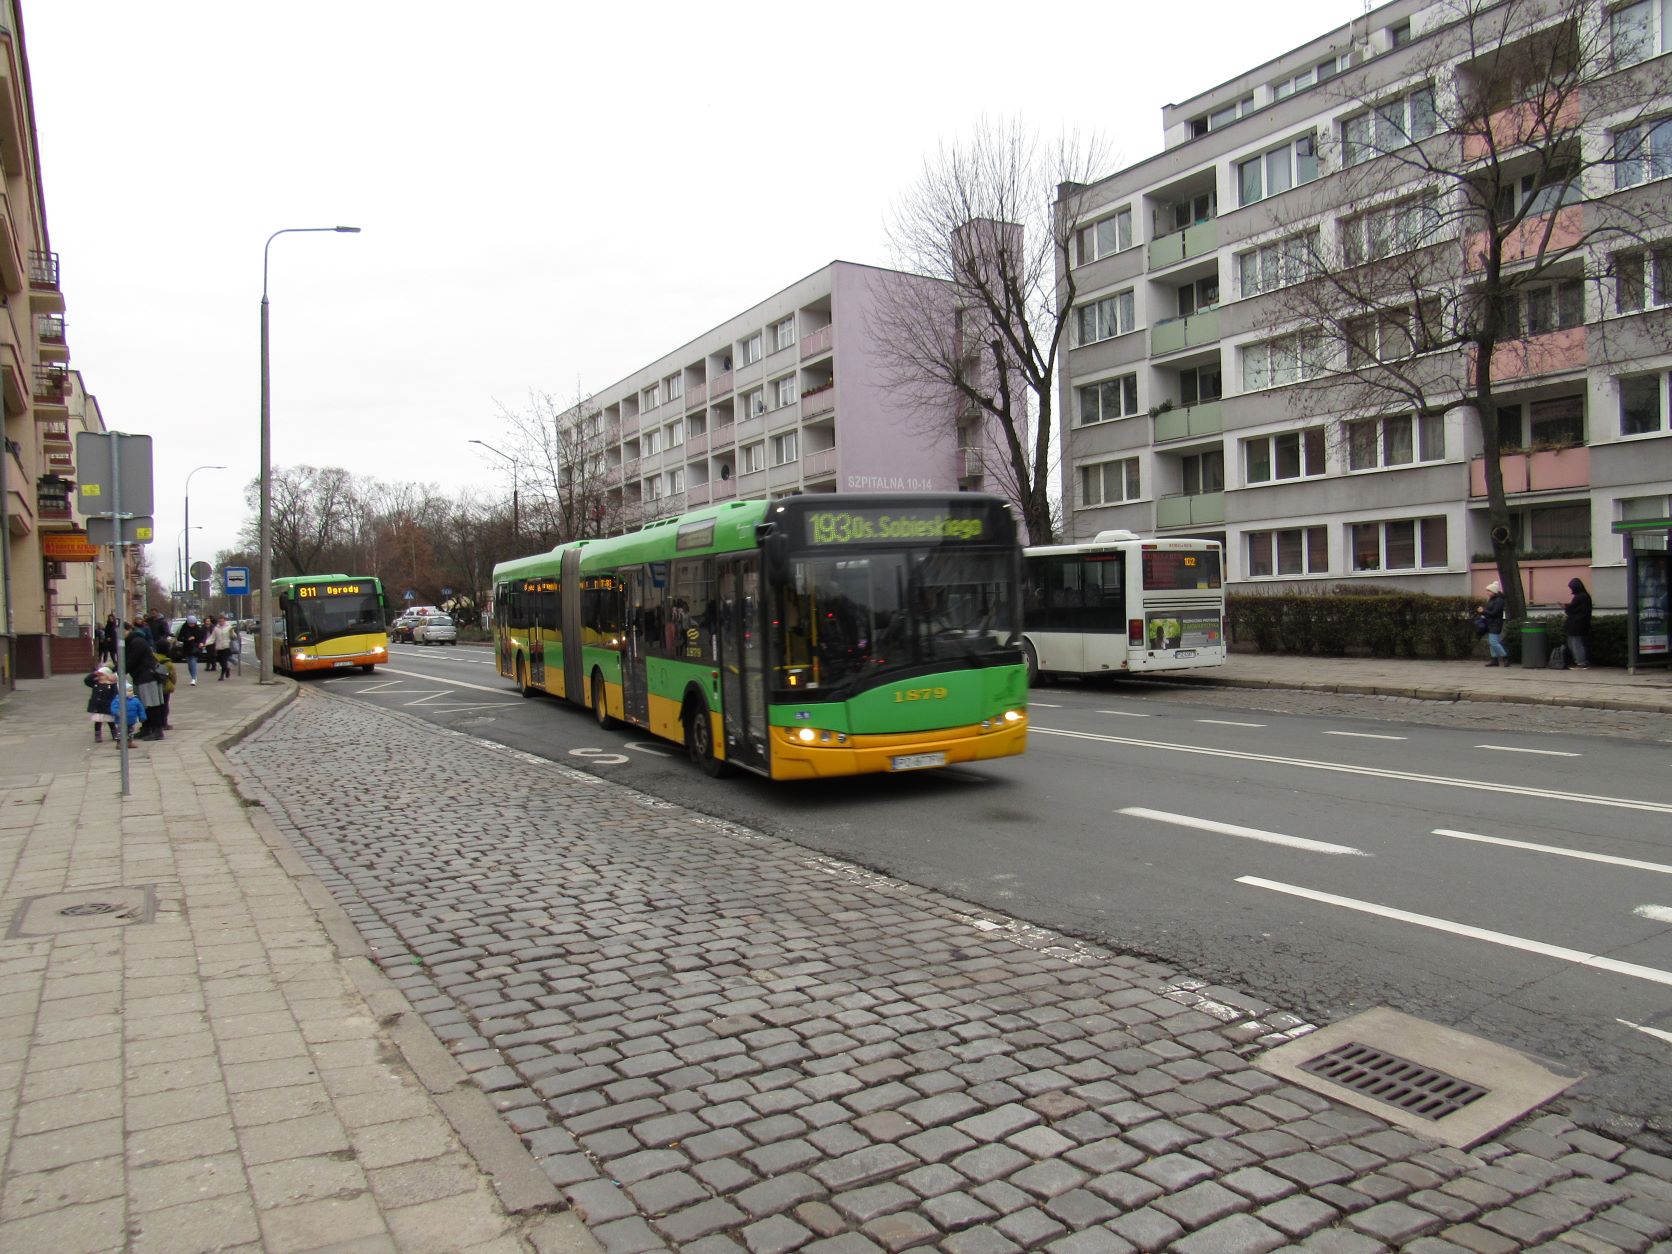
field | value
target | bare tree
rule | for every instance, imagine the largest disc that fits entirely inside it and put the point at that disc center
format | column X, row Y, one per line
column 566, row 489
column 976, row 351
column 316, row 512
column 1492, row 202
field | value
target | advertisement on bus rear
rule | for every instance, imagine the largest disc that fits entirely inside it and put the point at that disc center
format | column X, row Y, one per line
column 1172, row 629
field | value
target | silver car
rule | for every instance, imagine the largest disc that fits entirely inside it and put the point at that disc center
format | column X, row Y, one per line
column 435, row 629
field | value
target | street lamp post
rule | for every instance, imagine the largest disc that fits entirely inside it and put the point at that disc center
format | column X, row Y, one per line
column 191, row 585
column 181, row 573
column 265, row 623
column 516, row 528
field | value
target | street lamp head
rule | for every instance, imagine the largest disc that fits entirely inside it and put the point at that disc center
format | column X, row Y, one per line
column 346, row 230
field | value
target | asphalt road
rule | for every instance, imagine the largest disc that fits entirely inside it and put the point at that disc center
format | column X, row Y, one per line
column 1449, row 861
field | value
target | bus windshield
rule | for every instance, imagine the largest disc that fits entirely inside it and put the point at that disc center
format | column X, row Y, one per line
column 845, row 620
column 325, row 618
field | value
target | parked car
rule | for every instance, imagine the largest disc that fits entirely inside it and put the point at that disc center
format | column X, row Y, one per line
column 401, row 628
column 435, row 629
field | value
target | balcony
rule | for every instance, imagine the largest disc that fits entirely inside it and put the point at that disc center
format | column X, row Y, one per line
column 972, row 462
column 1529, row 122
column 698, row 495
column 720, row 385
column 1544, row 471
column 818, row 342
column 49, row 332
column 12, row 376
column 819, row 400
column 1193, row 241
column 752, row 484
column 11, row 257
column 1193, row 420
column 1190, row 510
column 55, row 432
column 1528, row 241
column 50, row 392
column 1551, row 353
column 819, row 465
column 1190, row 331
column 44, row 293
column 612, row 477
column 1544, row 581
column 725, row 490
column 19, row 517
column 696, row 396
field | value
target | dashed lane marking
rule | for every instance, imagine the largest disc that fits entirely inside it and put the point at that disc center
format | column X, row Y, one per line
column 1558, row 850
column 501, row 691
column 1548, row 753
column 1655, row 914
column 1366, row 735
column 1124, row 713
column 1655, row 1032
column 1225, row 722
column 1579, row 956
column 1232, row 829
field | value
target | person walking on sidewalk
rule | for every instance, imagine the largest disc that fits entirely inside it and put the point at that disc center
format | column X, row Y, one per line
column 165, row 680
column 1493, row 613
column 107, row 639
column 220, row 640
column 1577, row 625
column 103, row 683
column 191, row 644
column 147, row 686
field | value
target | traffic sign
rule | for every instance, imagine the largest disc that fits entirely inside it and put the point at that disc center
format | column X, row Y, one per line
column 94, row 484
column 409, row 595
column 201, row 570
column 134, row 530
column 235, row 581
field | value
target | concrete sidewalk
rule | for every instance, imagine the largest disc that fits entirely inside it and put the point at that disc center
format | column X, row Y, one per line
column 194, row 1052
column 1600, row 688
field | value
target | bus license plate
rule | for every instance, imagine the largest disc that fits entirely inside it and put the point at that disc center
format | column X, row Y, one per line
column 342, row 663
column 916, row 761
column 1184, row 653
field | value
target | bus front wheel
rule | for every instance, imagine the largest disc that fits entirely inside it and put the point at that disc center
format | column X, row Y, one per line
column 1032, row 659
column 699, row 738
column 600, row 703
column 528, row 689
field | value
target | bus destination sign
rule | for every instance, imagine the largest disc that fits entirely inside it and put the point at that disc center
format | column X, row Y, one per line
column 891, row 526
column 310, row 590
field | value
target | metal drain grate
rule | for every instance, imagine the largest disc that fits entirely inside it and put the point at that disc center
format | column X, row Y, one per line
column 92, row 907
column 1412, row 1087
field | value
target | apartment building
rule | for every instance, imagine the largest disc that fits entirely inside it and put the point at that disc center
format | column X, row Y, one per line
column 1192, row 382
column 795, row 394
column 53, row 585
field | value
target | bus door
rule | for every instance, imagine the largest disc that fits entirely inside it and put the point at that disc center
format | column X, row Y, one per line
column 742, row 660
column 534, row 601
column 569, row 618
column 644, row 605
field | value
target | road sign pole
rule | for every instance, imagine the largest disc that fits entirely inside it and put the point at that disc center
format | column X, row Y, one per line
column 121, row 607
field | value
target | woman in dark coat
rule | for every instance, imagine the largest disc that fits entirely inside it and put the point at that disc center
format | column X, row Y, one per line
column 142, row 673
column 1493, row 613
column 1577, row 625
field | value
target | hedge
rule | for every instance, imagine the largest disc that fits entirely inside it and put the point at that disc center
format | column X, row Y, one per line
column 1390, row 624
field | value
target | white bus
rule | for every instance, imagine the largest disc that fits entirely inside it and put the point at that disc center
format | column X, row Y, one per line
column 1123, row 605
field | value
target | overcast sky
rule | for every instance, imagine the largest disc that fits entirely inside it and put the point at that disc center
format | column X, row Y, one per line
column 551, row 195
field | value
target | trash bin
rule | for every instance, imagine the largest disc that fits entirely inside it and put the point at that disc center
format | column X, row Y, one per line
column 1535, row 649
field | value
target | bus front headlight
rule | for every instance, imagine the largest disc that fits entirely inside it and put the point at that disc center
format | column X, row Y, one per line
column 1013, row 716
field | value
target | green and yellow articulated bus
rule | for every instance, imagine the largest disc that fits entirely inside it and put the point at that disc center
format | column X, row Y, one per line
column 813, row 636
column 328, row 622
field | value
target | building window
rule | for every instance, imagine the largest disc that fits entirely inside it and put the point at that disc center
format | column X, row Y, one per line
column 1107, row 235
column 1108, row 400
column 1638, row 31
column 1295, row 163
column 783, row 391
column 1274, row 363
column 1311, row 76
column 783, row 333
column 1391, row 230
column 783, row 449
column 754, row 402
column 1399, row 544
column 753, row 457
column 1393, row 335
column 1285, row 455
column 652, row 397
column 1542, row 307
column 749, row 349
column 653, row 487
column 1558, row 531
column 1642, row 280
column 1643, row 404
column 1203, row 472
column 1397, row 440
column 1279, row 264
column 1292, row 551
column 652, row 442
column 1400, row 34
column 676, row 481
column 1200, row 384
column 1222, row 116
column 1642, row 153
column 1106, row 318
column 1201, row 295
column 1109, row 483
column 675, row 432
column 1533, row 195
column 1391, row 125
column 674, row 386
column 1202, row 207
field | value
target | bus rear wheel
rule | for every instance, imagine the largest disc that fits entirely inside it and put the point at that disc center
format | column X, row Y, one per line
column 528, row 689
column 1032, row 659
column 600, row 702
column 699, row 738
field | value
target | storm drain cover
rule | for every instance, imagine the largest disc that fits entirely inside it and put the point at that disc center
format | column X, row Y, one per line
column 1397, row 1081
column 55, row 913
column 1432, row 1080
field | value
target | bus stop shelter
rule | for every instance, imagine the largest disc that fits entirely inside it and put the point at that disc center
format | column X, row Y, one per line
column 1647, row 579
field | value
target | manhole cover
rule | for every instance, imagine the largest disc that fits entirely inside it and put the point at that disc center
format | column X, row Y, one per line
column 1429, row 1079
column 53, row 913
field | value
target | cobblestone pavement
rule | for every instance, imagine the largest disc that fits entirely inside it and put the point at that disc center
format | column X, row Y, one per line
column 716, row 1041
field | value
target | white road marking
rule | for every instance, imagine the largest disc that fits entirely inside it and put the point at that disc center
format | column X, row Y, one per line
column 1231, row 829
column 1044, row 705
column 1665, row 1036
column 1610, row 859
column 1378, row 772
column 1655, row 914
column 1225, row 722
column 502, row 690
column 1549, row 753
column 1654, row 974
column 1124, row 713
column 1366, row 735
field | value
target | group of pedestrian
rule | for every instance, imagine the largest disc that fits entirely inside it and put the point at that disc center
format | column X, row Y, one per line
column 1576, row 624
column 140, row 697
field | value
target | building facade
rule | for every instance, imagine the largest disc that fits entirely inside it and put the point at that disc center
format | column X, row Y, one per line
column 53, row 585
column 795, row 394
column 1192, row 382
